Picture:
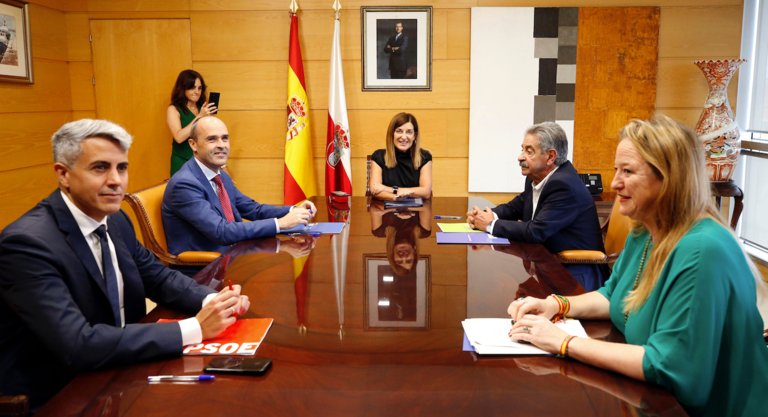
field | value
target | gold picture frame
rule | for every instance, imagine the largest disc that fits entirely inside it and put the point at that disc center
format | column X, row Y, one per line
column 406, row 65
column 15, row 42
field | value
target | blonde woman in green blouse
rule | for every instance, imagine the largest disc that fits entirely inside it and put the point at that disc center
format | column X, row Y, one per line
column 683, row 291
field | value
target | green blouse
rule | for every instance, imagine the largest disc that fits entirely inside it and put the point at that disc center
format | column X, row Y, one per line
column 182, row 152
column 700, row 328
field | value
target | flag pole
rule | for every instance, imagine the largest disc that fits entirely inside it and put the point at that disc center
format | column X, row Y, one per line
column 293, row 7
column 337, row 7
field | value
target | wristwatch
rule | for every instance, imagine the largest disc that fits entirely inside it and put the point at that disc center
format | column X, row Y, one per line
column 394, row 190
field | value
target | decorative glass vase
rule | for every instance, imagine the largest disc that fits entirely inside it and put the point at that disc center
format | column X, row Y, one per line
column 717, row 127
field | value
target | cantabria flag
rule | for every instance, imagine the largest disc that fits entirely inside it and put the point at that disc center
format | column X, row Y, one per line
column 338, row 168
column 299, row 183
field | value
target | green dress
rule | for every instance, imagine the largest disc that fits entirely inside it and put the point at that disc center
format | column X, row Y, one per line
column 182, row 152
column 700, row 328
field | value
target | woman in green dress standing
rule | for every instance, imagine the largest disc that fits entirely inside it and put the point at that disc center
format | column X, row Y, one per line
column 188, row 103
column 683, row 292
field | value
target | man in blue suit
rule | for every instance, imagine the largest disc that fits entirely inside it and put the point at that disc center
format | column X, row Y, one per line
column 74, row 278
column 202, row 209
column 555, row 209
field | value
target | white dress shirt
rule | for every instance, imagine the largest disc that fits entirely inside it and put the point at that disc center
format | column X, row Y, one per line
column 211, row 175
column 190, row 328
column 536, row 192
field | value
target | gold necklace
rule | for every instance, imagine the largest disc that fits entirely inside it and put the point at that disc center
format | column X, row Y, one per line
column 639, row 271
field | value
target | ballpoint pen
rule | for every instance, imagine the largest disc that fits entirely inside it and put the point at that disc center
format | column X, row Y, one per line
column 232, row 289
column 315, row 234
column 448, row 217
column 180, row 378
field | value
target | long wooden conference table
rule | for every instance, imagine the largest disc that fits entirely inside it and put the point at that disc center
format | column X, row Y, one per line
column 354, row 335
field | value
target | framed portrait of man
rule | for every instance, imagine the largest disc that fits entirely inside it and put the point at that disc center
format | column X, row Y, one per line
column 15, row 48
column 396, row 299
column 397, row 48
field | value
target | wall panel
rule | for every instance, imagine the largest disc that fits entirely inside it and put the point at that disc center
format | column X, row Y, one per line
column 50, row 92
column 23, row 188
column 81, row 82
column 678, row 38
column 27, row 138
column 48, row 30
column 78, row 44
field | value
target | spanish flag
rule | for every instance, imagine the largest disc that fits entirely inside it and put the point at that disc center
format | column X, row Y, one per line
column 299, row 183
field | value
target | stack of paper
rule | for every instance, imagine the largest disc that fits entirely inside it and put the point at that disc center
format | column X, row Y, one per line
column 491, row 336
column 457, row 228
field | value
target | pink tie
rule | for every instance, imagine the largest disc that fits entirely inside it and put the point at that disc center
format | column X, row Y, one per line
column 224, row 199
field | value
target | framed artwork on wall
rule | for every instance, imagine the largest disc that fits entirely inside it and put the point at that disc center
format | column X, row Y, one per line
column 397, row 48
column 396, row 301
column 15, row 43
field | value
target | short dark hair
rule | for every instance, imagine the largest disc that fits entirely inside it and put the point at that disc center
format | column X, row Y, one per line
column 186, row 81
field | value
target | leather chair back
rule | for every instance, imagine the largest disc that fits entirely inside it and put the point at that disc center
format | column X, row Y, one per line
column 147, row 206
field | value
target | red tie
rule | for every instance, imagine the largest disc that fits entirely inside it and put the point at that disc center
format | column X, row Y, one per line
column 224, row 199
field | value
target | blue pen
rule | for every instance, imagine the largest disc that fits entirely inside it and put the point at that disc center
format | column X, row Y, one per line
column 448, row 217
column 315, row 234
column 180, row 378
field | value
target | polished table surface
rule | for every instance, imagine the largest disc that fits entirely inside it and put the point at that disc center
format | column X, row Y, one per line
column 339, row 349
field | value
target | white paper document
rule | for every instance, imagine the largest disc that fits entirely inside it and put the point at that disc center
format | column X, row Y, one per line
column 491, row 336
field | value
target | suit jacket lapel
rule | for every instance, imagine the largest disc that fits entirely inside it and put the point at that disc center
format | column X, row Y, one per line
column 209, row 193
column 75, row 239
column 133, row 287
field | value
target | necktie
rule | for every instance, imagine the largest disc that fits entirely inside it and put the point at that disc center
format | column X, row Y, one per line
column 224, row 199
column 110, row 276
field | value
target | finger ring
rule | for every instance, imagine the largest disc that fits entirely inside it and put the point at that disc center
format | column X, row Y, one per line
column 521, row 300
column 233, row 310
column 527, row 329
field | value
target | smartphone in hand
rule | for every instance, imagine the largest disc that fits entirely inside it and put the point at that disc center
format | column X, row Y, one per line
column 213, row 98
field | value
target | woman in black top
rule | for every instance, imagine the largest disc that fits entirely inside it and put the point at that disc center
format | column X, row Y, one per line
column 403, row 169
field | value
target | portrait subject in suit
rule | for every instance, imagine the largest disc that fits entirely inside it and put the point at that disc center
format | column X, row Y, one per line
column 555, row 209
column 75, row 278
column 397, row 46
column 204, row 211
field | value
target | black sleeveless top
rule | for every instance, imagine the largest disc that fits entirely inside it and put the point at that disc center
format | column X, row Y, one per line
column 403, row 174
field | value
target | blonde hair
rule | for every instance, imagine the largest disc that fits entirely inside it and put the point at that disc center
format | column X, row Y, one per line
column 675, row 154
column 413, row 239
column 390, row 160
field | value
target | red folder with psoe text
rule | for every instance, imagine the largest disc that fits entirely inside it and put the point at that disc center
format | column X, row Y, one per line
column 241, row 338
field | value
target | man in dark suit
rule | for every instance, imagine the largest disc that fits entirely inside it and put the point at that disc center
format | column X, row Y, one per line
column 202, row 209
column 555, row 209
column 396, row 47
column 74, row 278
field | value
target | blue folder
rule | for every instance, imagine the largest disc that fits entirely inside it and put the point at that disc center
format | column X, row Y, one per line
column 404, row 202
column 469, row 239
column 330, row 228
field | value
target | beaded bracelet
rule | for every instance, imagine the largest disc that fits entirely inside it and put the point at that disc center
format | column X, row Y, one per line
column 564, row 347
column 564, row 306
